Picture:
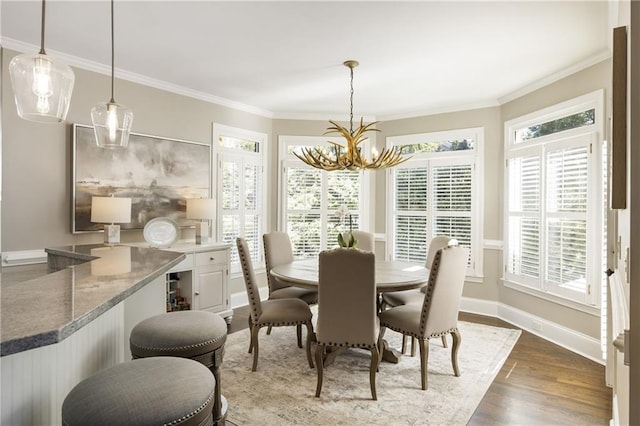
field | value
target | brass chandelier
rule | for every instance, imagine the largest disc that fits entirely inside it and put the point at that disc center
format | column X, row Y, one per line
column 351, row 157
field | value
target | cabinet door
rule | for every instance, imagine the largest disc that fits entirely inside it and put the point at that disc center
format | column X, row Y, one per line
column 211, row 289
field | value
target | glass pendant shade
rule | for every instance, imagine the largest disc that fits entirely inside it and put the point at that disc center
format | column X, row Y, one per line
column 42, row 87
column 111, row 124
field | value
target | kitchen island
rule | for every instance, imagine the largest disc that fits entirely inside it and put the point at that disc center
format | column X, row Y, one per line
column 62, row 327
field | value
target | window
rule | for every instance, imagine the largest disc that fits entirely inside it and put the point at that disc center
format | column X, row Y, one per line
column 240, row 189
column 310, row 198
column 436, row 193
column 554, row 220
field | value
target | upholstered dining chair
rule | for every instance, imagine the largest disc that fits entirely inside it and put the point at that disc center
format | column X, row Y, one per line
column 347, row 307
column 438, row 314
column 366, row 240
column 277, row 251
column 274, row 313
column 407, row 297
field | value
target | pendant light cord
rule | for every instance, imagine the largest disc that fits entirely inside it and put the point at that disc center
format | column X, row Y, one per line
column 42, row 52
column 351, row 104
column 112, row 58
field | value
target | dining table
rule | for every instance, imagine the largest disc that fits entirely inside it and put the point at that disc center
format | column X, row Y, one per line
column 390, row 275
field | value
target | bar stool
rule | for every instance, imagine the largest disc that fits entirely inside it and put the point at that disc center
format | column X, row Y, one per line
column 197, row 335
column 152, row 391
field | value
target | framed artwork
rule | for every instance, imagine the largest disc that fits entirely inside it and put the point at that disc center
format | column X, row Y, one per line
column 158, row 174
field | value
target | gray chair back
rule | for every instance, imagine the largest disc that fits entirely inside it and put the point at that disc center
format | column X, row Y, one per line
column 437, row 243
column 444, row 291
column 347, row 313
column 366, row 240
column 277, row 251
column 253, row 295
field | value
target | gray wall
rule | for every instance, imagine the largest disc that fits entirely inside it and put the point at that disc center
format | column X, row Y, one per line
column 37, row 158
column 37, row 165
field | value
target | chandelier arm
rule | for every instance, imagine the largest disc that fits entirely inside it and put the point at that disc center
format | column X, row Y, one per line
column 350, row 156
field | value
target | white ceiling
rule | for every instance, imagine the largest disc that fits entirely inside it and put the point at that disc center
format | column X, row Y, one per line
column 284, row 59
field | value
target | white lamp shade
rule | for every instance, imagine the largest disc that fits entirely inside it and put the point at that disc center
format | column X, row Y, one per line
column 201, row 208
column 111, row 125
column 42, row 87
column 110, row 210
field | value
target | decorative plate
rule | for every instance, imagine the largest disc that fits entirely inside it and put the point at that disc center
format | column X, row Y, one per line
column 161, row 232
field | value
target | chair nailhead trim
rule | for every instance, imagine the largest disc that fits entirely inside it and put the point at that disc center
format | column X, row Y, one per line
column 347, row 344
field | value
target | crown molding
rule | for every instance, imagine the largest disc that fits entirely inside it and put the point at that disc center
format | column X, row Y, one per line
column 180, row 90
column 99, row 68
column 582, row 65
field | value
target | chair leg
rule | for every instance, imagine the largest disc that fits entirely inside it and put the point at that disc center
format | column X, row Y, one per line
column 444, row 341
column 404, row 344
column 309, row 339
column 299, row 334
column 254, row 340
column 457, row 339
column 269, row 330
column 413, row 346
column 375, row 360
column 319, row 351
column 251, row 334
column 424, row 358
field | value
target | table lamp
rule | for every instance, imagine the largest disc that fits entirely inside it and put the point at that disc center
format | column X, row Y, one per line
column 111, row 210
column 202, row 209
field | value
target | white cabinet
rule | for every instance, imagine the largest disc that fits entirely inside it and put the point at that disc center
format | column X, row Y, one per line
column 201, row 280
column 211, row 288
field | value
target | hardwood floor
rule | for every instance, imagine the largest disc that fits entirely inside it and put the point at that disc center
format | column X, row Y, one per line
column 540, row 383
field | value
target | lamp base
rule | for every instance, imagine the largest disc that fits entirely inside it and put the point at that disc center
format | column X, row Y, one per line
column 202, row 232
column 112, row 234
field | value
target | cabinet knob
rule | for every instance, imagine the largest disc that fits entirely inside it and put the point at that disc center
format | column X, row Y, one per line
column 197, row 293
column 212, row 258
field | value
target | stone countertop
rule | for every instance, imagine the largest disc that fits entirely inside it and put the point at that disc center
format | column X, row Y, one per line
column 46, row 310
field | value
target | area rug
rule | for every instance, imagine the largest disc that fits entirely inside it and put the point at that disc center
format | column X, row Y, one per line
column 282, row 390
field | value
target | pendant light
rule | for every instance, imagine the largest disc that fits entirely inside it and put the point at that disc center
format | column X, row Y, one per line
column 111, row 121
column 351, row 157
column 42, row 85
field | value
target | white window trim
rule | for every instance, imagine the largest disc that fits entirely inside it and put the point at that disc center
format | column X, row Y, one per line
column 284, row 141
column 475, row 157
column 590, row 100
column 263, row 141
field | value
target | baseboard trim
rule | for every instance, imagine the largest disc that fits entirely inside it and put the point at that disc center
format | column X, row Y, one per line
column 572, row 340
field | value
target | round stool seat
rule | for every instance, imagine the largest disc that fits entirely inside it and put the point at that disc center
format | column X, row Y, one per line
column 198, row 335
column 184, row 334
column 148, row 391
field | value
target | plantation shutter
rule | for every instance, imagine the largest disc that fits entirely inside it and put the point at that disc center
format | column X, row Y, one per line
column 451, row 190
column 566, row 202
column 304, row 199
column 523, row 257
column 240, row 182
column 411, row 235
column 343, row 188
